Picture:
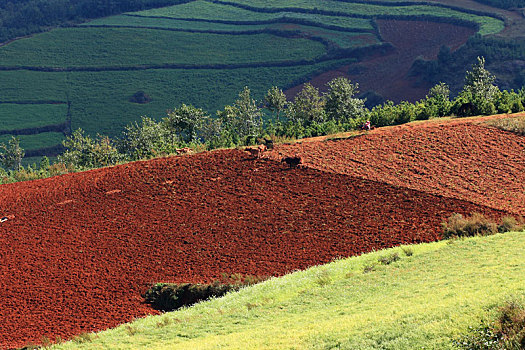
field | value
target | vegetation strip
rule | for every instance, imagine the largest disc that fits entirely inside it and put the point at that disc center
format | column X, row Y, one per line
column 356, row 53
column 281, row 20
column 355, row 15
column 62, row 127
column 426, row 3
column 28, row 102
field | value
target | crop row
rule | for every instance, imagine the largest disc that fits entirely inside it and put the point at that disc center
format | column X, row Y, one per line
column 204, row 10
column 92, row 47
column 486, row 23
column 37, row 141
column 341, row 39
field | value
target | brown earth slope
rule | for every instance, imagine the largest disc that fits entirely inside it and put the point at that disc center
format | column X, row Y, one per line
column 462, row 158
column 81, row 248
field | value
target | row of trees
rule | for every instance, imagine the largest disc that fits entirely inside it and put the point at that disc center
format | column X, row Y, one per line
column 247, row 122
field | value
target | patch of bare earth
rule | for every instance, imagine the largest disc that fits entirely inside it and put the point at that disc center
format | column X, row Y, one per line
column 388, row 75
column 463, row 159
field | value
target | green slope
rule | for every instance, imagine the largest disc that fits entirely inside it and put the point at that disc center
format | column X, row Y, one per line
column 420, row 301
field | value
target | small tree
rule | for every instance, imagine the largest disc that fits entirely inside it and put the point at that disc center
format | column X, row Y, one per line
column 308, row 106
column 275, row 101
column 248, row 114
column 185, row 121
column 243, row 120
column 340, row 102
column 438, row 100
column 480, row 82
column 11, row 154
column 147, row 139
column 84, row 152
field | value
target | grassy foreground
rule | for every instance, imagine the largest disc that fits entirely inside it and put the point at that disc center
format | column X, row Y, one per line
column 421, row 301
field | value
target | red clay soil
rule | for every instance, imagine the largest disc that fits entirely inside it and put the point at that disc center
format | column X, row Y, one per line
column 387, row 75
column 462, row 159
column 81, row 248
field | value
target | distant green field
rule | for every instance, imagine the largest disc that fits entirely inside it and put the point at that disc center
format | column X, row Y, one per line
column 343, row 39
column 205, row 10
column 30, row 142
column 488, row 25
column 100, row 99
column 33, row 86
column 422, row 301
column 110, row 47
column 22, row 116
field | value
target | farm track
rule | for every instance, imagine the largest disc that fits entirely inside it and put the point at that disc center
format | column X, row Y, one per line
column 83, row 247
column 462, row 159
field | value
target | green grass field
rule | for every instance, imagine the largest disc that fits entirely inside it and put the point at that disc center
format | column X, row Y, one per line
column 206, row 10
column 488, row 25
column 30, row 142
column 100, row 99
column 117, row 47
column 421, row 301
column 21, row 116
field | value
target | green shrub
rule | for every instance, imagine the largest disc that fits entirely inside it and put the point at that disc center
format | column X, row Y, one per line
column 388, row 259
column 172, row 296
column 408, row 251
column 506, row 332
column 459, row 226
column 513, row 124
column 508, row 224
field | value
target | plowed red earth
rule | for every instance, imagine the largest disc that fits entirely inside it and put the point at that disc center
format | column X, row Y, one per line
column 81, row 248
column 463, row 159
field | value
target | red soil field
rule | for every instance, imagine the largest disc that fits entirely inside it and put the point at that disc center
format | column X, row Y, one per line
column 387, row 75
column 462, row 158
column 82, row 248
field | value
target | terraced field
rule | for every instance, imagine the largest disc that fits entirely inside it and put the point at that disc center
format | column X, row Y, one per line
column 204, row 52
column 88, row 244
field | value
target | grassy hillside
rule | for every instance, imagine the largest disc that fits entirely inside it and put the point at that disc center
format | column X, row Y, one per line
column 424, row 300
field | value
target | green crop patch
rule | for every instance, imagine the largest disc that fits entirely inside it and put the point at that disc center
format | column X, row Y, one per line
column 101, row 100
column 487, row 24
column 118, row 47
column 37, row 141
column 33, row 86
column 204, row 10
column 342, row 39
column 25, row 116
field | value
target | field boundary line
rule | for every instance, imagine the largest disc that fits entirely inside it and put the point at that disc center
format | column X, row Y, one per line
column 281, row 20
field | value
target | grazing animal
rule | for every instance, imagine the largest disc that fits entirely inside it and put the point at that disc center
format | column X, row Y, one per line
column 293, row 162
column 256, row 152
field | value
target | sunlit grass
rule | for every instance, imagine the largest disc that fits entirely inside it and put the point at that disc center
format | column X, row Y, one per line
column 422, row 300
